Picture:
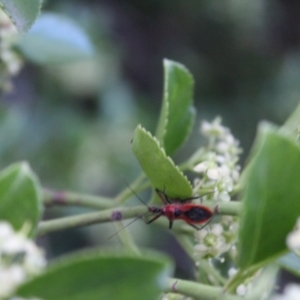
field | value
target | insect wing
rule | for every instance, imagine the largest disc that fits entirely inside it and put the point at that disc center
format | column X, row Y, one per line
column 196, row 214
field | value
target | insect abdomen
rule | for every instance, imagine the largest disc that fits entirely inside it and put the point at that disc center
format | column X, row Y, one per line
column 198, row 214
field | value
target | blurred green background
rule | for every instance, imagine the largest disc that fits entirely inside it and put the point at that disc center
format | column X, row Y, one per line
column 74, row 122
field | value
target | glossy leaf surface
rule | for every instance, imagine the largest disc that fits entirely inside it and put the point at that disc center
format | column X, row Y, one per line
column 177, row 112
column 20, row 196
column 159, row 168
column 102, row 275
column 271, row 197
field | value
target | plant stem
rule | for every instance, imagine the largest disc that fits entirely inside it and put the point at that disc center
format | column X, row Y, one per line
column 211, row 273
column 91, row 201
column 198, row 290
column 69, row 198
column 114, row 214
column 126, row 238
column 204, row 267
column 232, row 208
column 109, row 215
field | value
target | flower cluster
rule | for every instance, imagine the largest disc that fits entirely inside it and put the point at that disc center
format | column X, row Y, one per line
column 218, row 238
column 218, row 172
column 210, row 242
column 10, row 61
column 20, row 259
column 218, row 167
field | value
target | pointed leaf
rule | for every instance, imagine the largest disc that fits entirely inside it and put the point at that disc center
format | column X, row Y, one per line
column 160, row 168
column 20, row 196
column 55, row 39
column 271, row 197
column 22, row 13
column 177, row 112
column 94, row 276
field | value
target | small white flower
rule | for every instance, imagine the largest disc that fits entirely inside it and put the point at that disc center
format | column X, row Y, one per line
column 10, row 277
column 230, row 140
column 213, row 173
column 224, row 171
column 14, row 244
column 217, row 229
column 20, row 259
column 241, row 290
column 219, row 168
column 291, row 292
column 219, row 172
column 293, row 238
column 220, row 159
column 210, row 243
column 235, row 174
column 213, row 129
column 224, row 196
column 200, row 168
column 11, row 62
column 5, row 231
column 222, row 147
column 232, row 272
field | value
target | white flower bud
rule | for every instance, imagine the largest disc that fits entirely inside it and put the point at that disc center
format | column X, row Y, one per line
column 201, row 167
column 20, row 259
column 232, row 272
column 241, row 290
column 213, row 173
column 5, row 231
column 293, row 238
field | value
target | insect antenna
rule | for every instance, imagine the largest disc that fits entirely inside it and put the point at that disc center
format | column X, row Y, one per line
column 198, row 197
column 128, row 224
column 136, row 217
column 136, row 194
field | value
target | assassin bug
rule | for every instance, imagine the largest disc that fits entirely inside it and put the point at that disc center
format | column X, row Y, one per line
column 177, row 209
column 181, row 210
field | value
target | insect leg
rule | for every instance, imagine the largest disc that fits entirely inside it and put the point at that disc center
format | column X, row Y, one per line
column 167, row 199
column 164, row 198
column 216, row 210
column 197, row 197
column 155, row 218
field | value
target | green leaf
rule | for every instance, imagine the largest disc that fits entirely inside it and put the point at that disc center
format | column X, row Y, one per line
column 22, row 13
column 20, row 196
column 177, row 112
column 291, row 263
column 159, row 168
column 292, row 124
column 271, row 197
column 101, row 275
column 55, row 39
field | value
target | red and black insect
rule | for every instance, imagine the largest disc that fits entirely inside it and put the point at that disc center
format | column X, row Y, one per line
column 191, row 213
column 177, row 209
